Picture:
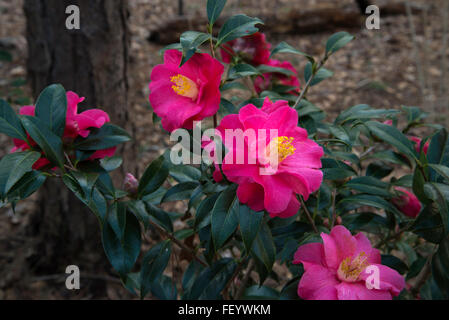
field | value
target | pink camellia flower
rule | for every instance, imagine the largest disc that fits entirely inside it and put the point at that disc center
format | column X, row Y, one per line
column 417, row 142
column 263, row 83
column 76, row 125
column 342, row 268
column 407, row 203
column 131, row 184
column 254, row 49
column 272, row 169
column 388, row 122
column 181, row 95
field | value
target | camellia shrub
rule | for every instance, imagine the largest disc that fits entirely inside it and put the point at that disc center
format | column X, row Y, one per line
column 279, row 202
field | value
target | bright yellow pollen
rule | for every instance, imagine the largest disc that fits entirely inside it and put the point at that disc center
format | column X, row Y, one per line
column 285, row 147
column 184, row 86
column 350, row 269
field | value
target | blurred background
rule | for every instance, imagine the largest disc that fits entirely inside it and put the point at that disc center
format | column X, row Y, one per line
column 109, row 61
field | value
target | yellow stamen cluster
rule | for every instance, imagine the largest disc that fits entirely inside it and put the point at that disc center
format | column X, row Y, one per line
column 350, row 269
column 184, row 86
column 285, row 147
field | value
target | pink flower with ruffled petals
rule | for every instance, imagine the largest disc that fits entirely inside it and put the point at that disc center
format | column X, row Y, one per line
column 253, row 49
column 264, row 83
column 76, row 125
column 407, row 203
column 337, row 269
column 297, row 159
column 182, row 95
column 417, row 142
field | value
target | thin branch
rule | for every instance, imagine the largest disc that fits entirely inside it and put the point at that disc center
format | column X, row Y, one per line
column 306, row 87
column 245, row 279
column 231, row 280
column 309, row 216
column 179, row 243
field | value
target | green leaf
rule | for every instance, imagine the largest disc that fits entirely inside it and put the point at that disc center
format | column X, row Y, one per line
column 159, row 216
column 203, row 214
column 10, row 123
column 260, row 293
column 26, row 186
column 438, row 152
column 214, row 9
column 394, row 263
column 121, row 238
column 369, row 185
column 211, row 281
column 185, row 173
column 225, row 216
column 439, row 193
column 392, row 136
column 51, row 108
column 107, row 136
column 153, row 177
column 249, row 222
column 237, row 26
column 284, row 47
column 428, row 224
column 153, row 266
column 190, row 41
column 440, row 266
column 181, row 191
column 269, row 69
column 242, row 70
column 365, row 221
column 13, row 167
column 111, row 163
column 336, row 170
column 264, row 249
column 338, row 41
column 320, row 75
column 441, row 170
column 369, row 200
column 50, row 144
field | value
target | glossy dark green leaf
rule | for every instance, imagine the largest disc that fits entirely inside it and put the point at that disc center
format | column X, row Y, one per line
column 214, row 9
column 181, row 191
column 10, row 123
column 203, row 214
column 394, row 263
column 211, row 281
column 337, row 41
column 242, row 70
column 13, row 167
column 107, row 136
column 392, row 136
column 264, row 249
column 26, row 186
column 369, row 185
column 336, row 170
column 153, row 177
column 51, row 108
column 284, row 47
column 260, row 293
column 153, row 265
column 249, row 222
column 237, row 26
column 190, row 41
column 50, row 143
column 428, row 224
column 440, row 266
column 121, row 238
column 321, row 74
column 225, row 216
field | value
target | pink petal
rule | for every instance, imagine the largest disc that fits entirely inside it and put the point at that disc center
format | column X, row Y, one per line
column 358, row 291
column 390, row 279
column 338, row 245
column 318, row 283
column 252, row 195
column 310, row 254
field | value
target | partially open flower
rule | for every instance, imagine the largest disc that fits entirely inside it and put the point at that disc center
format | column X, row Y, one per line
column 253, row 49
column 417, row 142
column 407, row 203
column 131, row 183
column 77, row 124
column 264, row 83
column 182, row 95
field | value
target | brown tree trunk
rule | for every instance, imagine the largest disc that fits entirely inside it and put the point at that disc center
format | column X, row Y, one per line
column 93, row 62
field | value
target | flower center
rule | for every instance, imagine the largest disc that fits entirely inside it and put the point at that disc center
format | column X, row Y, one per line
column 350, row 269
column 284, row 147
column 184, row 86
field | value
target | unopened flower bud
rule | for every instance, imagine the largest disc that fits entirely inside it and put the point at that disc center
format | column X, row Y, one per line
column 131, row 184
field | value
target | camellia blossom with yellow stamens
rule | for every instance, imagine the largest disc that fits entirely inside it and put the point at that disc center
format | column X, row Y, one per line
column 340, row 267
column 274, row 168
column 182, row 95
